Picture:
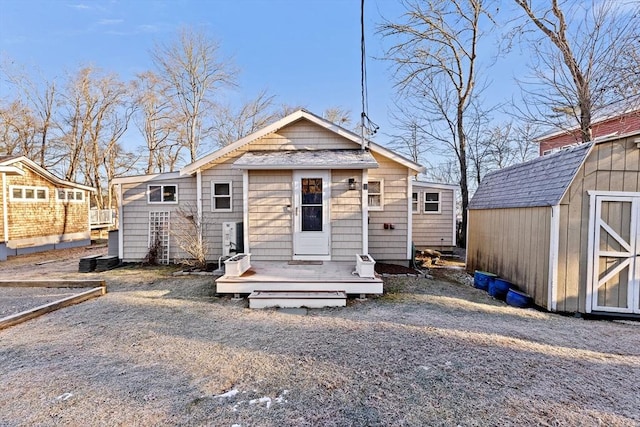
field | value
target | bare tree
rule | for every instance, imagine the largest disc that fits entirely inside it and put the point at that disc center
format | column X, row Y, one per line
column 18, row 125
column 156, row 123
column 434, row 53
column 97, row 110
column 194, row 69
column 232, row 125
column 578, row 53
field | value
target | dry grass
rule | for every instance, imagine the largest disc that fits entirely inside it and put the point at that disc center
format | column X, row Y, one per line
column 158, row 350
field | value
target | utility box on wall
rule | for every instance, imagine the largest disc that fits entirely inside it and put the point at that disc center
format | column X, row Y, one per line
column 232, row 238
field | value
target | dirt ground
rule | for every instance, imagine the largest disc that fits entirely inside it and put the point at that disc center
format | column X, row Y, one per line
column 164, row 350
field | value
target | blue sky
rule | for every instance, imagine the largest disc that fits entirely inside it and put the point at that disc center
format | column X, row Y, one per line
column 306, row 52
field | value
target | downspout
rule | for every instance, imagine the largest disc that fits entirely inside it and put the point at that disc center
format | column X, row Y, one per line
column 410, row 255
column 245, row 210
column 120, row 223
column 5, row 216
column 199, row 205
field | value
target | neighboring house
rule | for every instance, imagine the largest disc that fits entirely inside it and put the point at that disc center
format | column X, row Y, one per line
column 300, row 189
column 434, row 215
column 610, row 125
column 40, row 211
column 565, row 228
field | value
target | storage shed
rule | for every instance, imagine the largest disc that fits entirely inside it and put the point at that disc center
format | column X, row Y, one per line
column 565, row 228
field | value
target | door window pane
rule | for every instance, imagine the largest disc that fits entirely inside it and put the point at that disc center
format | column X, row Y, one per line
column 311, row 191
column 312, row 218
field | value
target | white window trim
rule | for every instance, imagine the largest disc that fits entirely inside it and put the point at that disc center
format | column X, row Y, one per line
column 161, row 202
column 425, row 201
column 381, row 207
column 28, row 187
column 213, row 196
column 66, row 195
column 415, row 203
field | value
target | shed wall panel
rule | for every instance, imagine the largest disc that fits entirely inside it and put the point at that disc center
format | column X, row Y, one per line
column 513, row 243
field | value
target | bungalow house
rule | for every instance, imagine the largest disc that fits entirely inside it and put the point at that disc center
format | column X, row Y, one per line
column 302, row 193
column 565, row 228
column 434, row 215
column 40, row 211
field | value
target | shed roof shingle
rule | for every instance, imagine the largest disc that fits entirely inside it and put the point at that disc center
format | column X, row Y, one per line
column 539, row 182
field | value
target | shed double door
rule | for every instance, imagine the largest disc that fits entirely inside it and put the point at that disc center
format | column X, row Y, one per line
column 615, row 284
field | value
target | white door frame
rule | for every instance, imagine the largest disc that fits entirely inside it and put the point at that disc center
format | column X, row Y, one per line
column 631, row 251
column 302, row 240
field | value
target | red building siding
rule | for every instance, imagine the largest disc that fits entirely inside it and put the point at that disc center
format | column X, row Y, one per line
column 622, row 124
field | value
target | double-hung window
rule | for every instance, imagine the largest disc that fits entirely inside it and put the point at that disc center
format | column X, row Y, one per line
column 431, row 203
column 221, row 196
column 376, row 194
column 162, row 193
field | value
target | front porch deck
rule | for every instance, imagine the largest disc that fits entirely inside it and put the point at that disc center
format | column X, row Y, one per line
column 283, row 276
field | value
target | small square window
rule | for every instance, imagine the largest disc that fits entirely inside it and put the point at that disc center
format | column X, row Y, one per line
column 221, row 196
column 29, row 193
column 79, row 195
column 16, row 193
column 376, row 199
column 163, row 193
column 41, row 194
column 432, row 202
column 70, row 195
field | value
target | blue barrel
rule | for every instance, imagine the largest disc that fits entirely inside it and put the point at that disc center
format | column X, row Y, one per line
column 481, row 279
column 518, row 299
column 498, row 288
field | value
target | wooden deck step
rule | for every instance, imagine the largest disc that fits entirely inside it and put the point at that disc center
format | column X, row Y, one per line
column 296, row 299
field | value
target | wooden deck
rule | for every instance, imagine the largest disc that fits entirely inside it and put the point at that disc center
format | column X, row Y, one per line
column 282, row 276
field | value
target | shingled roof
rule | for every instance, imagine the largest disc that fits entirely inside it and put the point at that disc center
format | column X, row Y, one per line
column 539, row 182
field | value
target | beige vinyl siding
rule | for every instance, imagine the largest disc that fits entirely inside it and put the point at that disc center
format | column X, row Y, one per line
column 302, row 135
column 270, row 222
column 346, row 216
column 434, row 230
column 390, row 245
column 611, row 166
column 135, row 211
column 513, row 243
column 222, row 172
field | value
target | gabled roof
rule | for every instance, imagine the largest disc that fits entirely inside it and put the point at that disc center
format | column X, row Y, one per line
column 286, row 121
column 539, row 182
column 134, row 179
column 11, row 160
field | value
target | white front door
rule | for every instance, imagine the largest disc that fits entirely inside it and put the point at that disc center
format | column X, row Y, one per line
column 312, row 192
column 615, row 283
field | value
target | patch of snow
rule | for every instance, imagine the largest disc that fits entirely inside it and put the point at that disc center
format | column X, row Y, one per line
column 64, row 396
column 264, row 399
column 230, row 393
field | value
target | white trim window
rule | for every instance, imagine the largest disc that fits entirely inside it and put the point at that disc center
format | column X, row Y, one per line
column 432, row 202
column 162, row 193
column 221, row 196
column 415, row 202
column 376, row 194
column 24, row 193
column 67, row 195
